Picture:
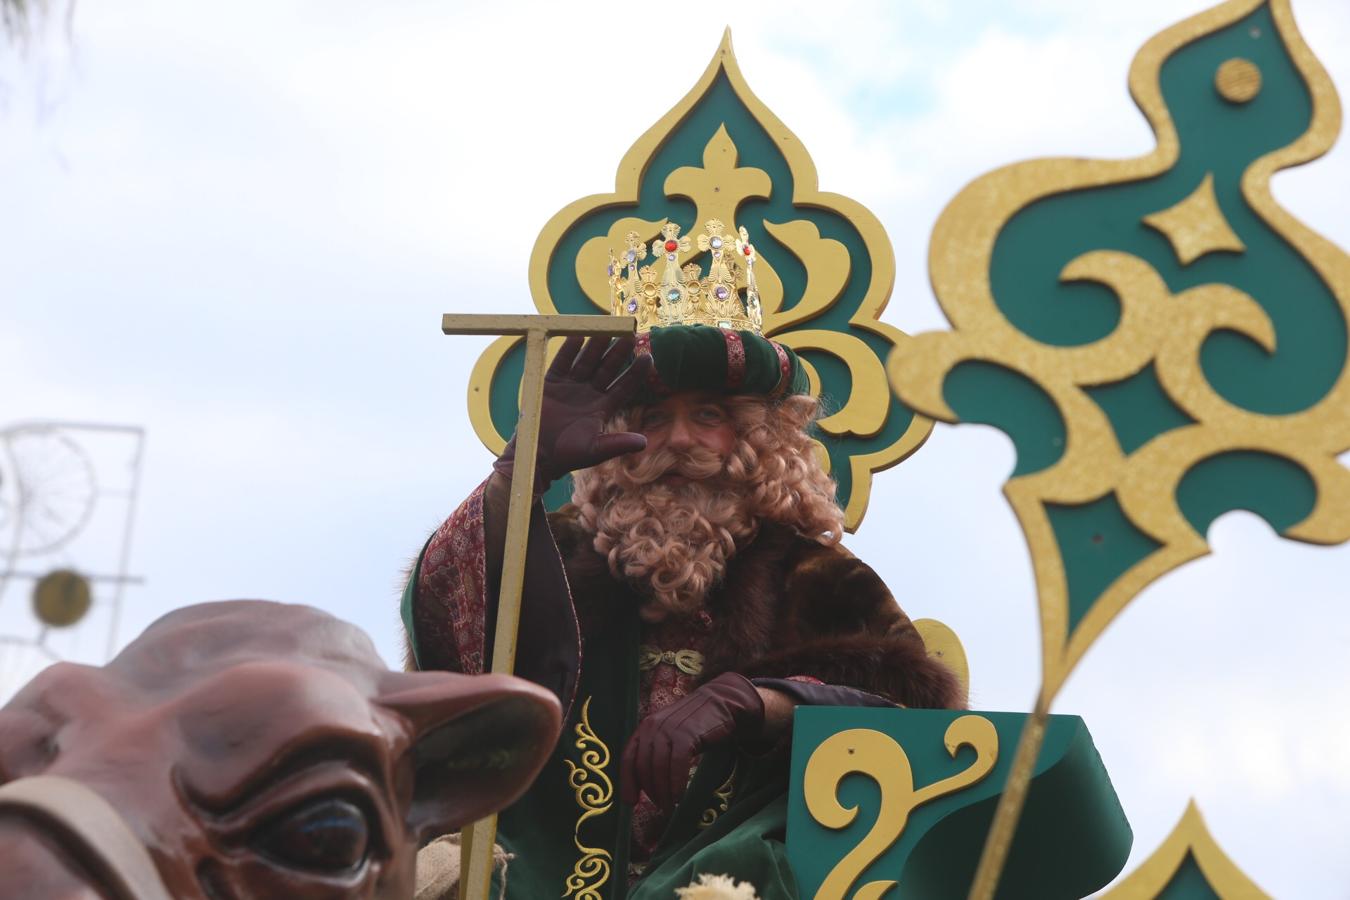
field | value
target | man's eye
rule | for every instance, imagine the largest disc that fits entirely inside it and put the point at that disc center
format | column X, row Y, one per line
column 711, row 416
column 328, row 835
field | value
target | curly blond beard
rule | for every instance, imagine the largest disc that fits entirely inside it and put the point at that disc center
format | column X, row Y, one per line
column 672, row 537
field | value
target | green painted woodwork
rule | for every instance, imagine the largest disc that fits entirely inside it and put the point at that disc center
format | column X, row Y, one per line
column 1189, row 883
column 1219, row 138
column 1216, row 137
column 721, row 106
column 1274, row 488
column 1098, row 545
column 988, row 394
column 1139, row 408
column 1073, row 838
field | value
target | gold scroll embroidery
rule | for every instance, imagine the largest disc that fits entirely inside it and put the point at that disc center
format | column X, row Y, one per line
column 723, row 795
column 595, row 795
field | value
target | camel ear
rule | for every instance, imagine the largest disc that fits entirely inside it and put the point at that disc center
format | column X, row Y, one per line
column 479, row 742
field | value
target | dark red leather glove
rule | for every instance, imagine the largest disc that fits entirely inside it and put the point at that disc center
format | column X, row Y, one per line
column 661, row 750
column 582, row 391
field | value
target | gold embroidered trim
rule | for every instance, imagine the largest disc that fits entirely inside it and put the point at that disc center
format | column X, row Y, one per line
column 723, row 795
column 689, row 662
column 595, row 795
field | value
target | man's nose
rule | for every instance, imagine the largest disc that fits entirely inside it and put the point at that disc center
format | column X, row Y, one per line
column 681, row 436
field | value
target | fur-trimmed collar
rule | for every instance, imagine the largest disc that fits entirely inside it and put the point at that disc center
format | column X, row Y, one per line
column 788, row 606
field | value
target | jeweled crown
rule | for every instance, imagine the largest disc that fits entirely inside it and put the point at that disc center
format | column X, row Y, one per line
column 684, row 295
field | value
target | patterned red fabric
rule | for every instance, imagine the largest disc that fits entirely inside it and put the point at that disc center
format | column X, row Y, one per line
column 452, row 588
column 735, row 359
column 658, row 687
column 784, row 370
column 643, row 345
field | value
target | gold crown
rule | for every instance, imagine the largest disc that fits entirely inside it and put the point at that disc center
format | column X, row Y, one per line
column 684, row 296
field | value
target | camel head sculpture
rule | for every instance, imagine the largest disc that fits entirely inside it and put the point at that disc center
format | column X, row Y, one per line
column 252, row 749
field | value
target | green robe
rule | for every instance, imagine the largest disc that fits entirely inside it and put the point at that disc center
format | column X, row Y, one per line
column 788, row 607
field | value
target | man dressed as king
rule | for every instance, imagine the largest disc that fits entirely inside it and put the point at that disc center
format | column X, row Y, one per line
column 692, row 593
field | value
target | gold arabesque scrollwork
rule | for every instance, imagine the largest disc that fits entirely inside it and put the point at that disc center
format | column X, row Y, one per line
column 880, row 757
column 1156, row 326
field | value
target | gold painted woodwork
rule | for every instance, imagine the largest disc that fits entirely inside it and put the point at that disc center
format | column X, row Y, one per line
column 1238, row 80
column 555, row 325
column 1196, row 225
column 1190, row 838
column 943, row 644
column 715, row 189
column 1155, row 326
column 594, row 795
column 880, row 757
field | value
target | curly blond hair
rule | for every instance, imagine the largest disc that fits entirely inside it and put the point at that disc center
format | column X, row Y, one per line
column 674, row 540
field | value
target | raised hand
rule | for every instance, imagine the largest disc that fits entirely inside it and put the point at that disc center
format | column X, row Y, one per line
column 583, row 389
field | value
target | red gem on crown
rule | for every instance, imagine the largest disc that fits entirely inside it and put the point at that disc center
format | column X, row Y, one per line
column 672, row 246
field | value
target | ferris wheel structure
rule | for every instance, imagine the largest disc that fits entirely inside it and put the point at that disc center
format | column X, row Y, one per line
column 63, row 539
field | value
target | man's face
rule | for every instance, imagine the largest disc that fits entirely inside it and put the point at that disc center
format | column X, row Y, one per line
column 688, row 421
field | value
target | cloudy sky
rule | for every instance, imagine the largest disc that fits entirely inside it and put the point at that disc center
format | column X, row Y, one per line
column 237, row 225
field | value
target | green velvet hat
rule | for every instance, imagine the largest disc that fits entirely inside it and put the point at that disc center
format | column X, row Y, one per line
column 720, row 361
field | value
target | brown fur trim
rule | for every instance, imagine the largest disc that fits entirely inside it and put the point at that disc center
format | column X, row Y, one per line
column 745, row 606
column 788, row 606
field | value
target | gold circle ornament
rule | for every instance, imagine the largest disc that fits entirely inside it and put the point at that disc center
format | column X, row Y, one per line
column 61, row 598
column 1238, row 80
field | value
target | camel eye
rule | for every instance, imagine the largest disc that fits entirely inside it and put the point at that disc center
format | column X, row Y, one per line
column 327, row 835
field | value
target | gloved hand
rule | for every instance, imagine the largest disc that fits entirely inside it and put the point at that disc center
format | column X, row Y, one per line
column 661, row 750
column 581, row 393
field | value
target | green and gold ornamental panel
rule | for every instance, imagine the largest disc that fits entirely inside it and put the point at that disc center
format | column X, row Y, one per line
column 825, row 268
column 1162, row 341
column 897, row 802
